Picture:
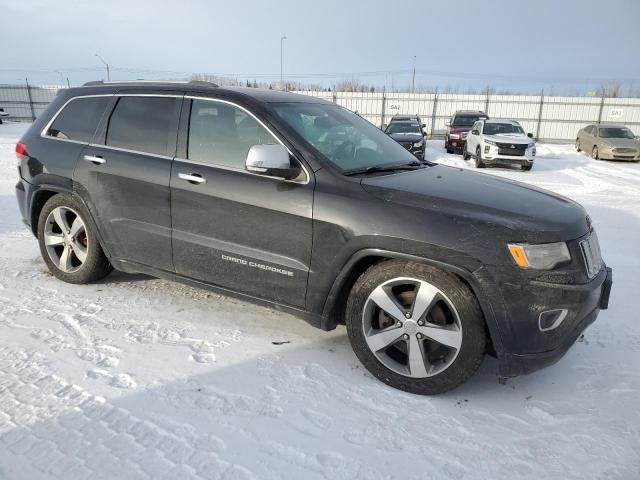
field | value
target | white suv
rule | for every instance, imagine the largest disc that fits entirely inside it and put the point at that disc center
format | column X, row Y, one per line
column 499, row 141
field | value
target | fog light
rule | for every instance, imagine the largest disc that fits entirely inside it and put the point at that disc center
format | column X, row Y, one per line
column 551, row 319
column 486, row 149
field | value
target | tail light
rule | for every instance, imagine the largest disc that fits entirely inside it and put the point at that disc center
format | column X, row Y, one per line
column 21, row 151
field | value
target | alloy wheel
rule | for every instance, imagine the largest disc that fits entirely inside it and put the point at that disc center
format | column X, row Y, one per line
column 65, row 238
column 412, row 327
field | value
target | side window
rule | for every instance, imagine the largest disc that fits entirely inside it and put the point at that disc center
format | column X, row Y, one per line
column 222, row 134
column 79, row 119
column 142, row 124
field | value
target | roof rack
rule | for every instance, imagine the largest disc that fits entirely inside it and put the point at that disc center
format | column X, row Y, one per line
column 196, row 83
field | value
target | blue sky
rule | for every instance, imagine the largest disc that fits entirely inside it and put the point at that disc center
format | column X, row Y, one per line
column 521, row 45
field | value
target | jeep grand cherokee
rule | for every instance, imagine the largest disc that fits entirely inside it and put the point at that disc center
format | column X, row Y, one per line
column 292, row 201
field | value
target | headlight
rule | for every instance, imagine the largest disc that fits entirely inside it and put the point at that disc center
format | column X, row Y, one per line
column 542, row 257
column 455, row 136
column 531, row 145
column 419, row 144
column 490, row 142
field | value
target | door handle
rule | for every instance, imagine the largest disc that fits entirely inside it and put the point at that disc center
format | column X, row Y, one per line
column 193, row 178
column 95, row 159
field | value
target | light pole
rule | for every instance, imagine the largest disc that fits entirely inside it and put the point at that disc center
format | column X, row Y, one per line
column 106, row 65
column 413, row 80
column 282, row 39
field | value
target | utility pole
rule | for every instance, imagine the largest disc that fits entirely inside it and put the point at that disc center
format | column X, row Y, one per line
column 282, row 39
column 106, row 65
column 413, row 80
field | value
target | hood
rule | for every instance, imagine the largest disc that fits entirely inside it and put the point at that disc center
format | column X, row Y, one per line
column 536, row 215
column 406, row 137
column 517, row 138
column 621, row 142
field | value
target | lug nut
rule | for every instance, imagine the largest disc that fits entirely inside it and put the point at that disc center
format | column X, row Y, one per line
column 421, row 322
column 406, row 336
column 407, row 315
column 419, row 335
column 399, row 324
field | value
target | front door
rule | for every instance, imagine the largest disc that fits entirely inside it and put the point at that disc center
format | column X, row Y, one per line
column 231, row 228
column 125, row 176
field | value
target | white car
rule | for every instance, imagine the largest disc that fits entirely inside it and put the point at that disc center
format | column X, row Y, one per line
column 499, row 141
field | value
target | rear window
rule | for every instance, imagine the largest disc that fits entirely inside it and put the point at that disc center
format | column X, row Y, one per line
column 142, row 124
column 79, row 119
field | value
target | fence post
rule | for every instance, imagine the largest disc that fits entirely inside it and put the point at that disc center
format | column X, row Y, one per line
column 433, row 112
column 486, row 102
column 382, row 110
column 334, row 96
column 540, row 115
column 601, row 107
column 33, row 113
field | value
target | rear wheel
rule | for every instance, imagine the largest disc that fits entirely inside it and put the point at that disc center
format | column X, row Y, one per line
column 594, row 153
column 578, row 149
column 479, row 162
column 526, row 167
column 415, row 327
column 68, row 245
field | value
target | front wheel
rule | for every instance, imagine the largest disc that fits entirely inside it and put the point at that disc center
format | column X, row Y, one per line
column 68, row 244
column 415, row 327
column 578, row 149
column 447, row 147
column 594, row 153
column 465, row 154
column 479, row 162
column 526, row 167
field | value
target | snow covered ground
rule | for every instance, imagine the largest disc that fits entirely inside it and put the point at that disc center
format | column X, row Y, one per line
column 136, row 377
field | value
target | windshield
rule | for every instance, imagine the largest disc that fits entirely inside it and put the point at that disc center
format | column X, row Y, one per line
column 616, row 132
column 403, row 127
column 466, row 120
column 349, row 141
column 498, row 128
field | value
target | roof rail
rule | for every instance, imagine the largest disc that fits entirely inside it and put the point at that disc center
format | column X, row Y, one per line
column 196, row 83
column 202, row 83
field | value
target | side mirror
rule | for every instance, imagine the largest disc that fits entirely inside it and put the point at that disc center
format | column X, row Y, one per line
column 475, row 132
column 384, row 127
column 530, row 135
column 447, row 123
column 272, row 161
column 424, row 125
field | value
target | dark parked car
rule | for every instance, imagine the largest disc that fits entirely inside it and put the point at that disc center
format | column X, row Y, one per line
column 408, row 131
column 296, row 202
column 458, row 128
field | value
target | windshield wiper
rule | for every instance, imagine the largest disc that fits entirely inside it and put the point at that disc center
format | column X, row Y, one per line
column 415, row 165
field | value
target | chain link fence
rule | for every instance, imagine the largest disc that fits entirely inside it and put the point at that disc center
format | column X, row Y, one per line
column 549, row 118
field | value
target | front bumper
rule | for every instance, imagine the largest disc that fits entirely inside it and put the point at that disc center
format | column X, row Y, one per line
column 535, row 349
column 456, row 144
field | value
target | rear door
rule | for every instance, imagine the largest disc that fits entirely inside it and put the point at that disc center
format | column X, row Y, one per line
column 125, row 176
column 231, row 228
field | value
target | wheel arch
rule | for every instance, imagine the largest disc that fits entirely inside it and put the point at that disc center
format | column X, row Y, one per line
column 333, row 311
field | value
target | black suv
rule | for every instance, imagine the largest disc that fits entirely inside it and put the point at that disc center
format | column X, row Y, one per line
column 408, row 131
column 299, row 203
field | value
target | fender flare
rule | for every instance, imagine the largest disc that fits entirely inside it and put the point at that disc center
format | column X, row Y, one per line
column 473, row 279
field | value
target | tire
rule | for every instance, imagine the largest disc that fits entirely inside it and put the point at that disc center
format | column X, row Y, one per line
column 479, row 162
column 447, row 147
column 74, row 256
column 465, row 154
column 578, row 149
column 454, row 306
column 526, row 168
column 594, row 153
